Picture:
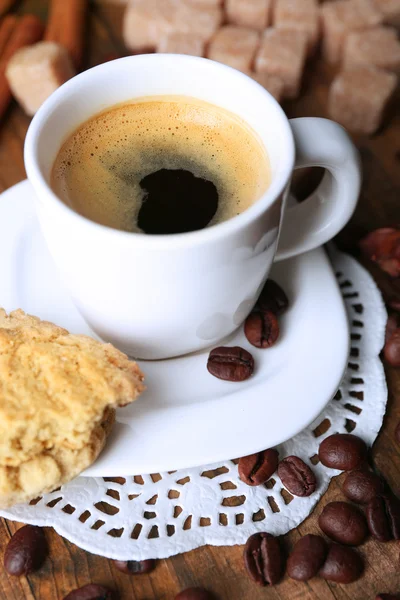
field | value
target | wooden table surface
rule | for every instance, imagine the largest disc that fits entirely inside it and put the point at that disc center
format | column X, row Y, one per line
column 221, row 569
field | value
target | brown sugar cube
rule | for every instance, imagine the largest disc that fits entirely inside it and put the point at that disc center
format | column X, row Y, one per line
column 378, row 47
column 147, row 21
column 205, row 2
column 255, row 14
column 337, row 18
column 234, row 46
column 370, row 15
column 181, row 43
column 340, row 18
column 358, row 98
column 144, row 24
column 196, row 19
column 299, row 15
column 283, row 53
column 35, row 72
column 273, row 84
column 390, row 10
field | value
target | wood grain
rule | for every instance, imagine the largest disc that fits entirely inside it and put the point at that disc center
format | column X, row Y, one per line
column 221, row 569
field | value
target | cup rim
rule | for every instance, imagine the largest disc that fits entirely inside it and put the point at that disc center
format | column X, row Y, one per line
column 208, row 234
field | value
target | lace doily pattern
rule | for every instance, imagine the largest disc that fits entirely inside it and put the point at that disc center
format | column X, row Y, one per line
column 156, row 516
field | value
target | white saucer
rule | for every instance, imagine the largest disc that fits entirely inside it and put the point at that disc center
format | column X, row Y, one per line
column 187, row 417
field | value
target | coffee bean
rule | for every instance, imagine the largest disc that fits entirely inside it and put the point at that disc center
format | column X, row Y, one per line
column 230, row 364
column 135, row 567
column 383, row 247
column 342, row 565
column 26, row 551
column 263, row 558
column 391, row 350
column 342, row 451
column 387, row 597
column 92, row 591
column 307, row 557
column 195, row 593
column 380, row 242
column 383, row 516
column 296, row 476
column 361, row 486
column 343, row 523
column 273, row 298
column 256, row 469
column 261, row 328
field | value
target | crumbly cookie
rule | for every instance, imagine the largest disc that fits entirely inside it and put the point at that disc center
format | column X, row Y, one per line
column 49, row 470
column 57, row 395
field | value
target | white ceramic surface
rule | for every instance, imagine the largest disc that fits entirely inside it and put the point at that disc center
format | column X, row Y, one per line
column 187, row 417
column 163, row 296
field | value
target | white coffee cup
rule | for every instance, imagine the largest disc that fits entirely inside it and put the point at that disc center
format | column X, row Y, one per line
column 161, row 296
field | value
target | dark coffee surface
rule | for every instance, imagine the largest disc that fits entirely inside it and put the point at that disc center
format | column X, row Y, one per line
column 176, row 202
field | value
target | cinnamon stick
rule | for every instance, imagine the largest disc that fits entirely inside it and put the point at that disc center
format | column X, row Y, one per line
column 6, row 28
column 28, row 30
column 66, row 26
column 5, row 6
column 54, row 21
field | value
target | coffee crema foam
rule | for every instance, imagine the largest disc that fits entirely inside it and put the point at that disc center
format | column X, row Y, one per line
column 100, row 166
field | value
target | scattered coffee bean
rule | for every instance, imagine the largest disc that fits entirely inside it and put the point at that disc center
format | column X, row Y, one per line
column 92, row 591
column 256, row 469
column 343, row 523
column 387, row 597
column 263, row 558
column 342, row 451
column 383, row 516
column 135, row 567
column 195, row 593
column 273, row 298
column 361, row 486
column 307, row 557
column 383, row 247
column 391, row 265
column 342, row 565
column 261, row 328
column 397, row 433
column 391, row 350
column 230, row 364
column 380, row 243
column 296, row 476
column 26, row 551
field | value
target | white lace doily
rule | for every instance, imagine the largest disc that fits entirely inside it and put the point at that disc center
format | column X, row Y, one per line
column 155, row 516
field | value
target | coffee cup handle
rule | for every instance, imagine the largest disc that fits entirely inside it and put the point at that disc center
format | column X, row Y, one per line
column 321, row 143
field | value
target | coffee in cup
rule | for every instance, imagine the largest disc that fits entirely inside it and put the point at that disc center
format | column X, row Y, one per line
column 161, row 165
